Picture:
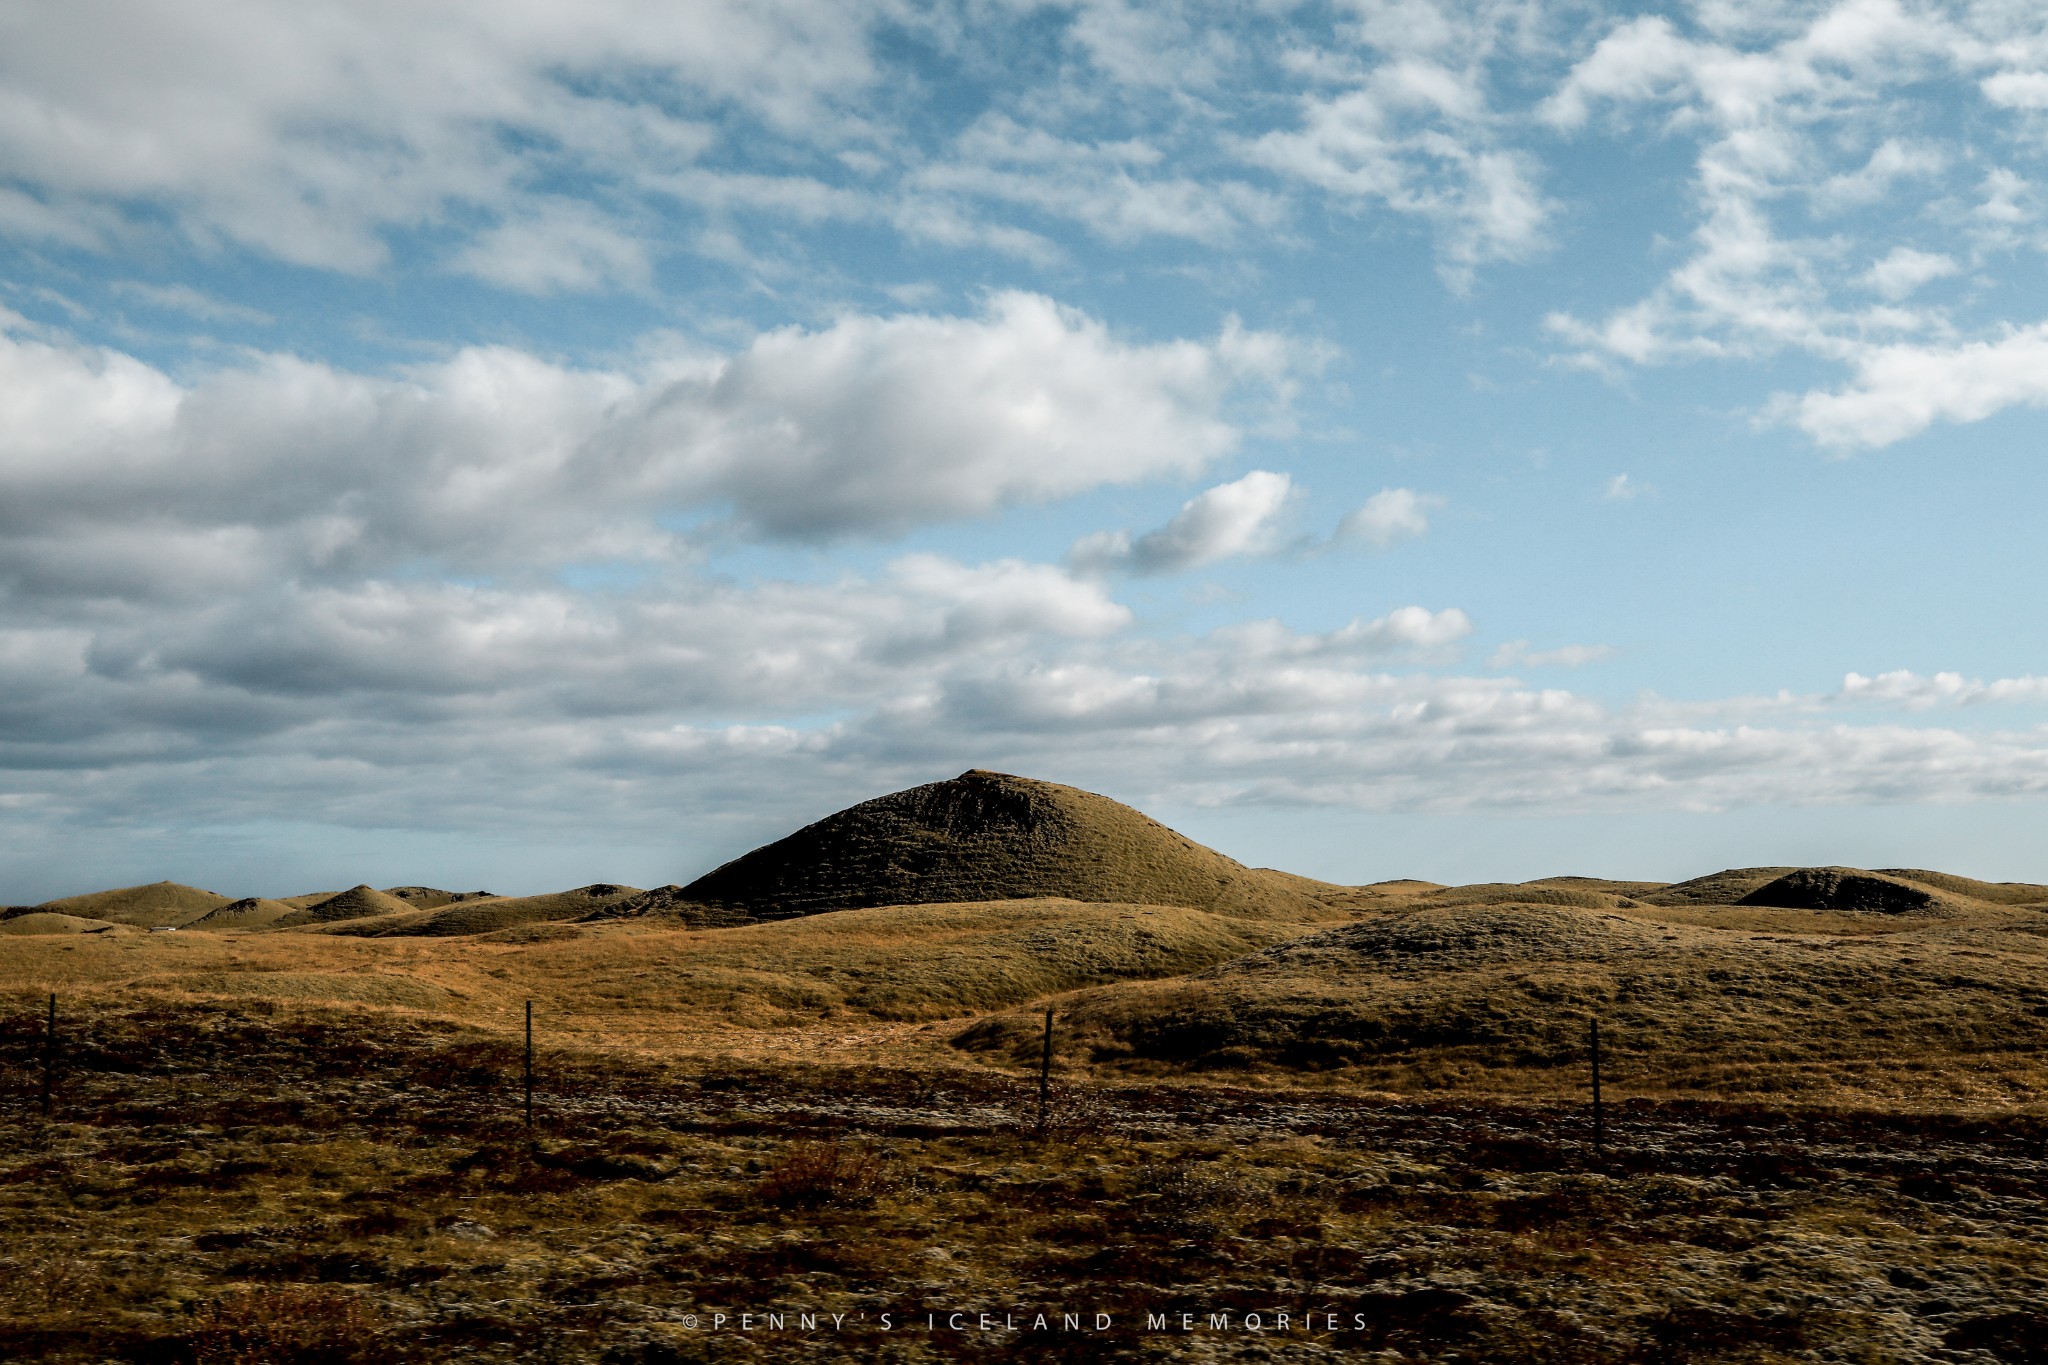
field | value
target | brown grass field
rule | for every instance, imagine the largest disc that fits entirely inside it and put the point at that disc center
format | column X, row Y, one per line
column 294, row 1131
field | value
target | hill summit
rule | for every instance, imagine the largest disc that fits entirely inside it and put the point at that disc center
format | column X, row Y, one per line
column 986, row 836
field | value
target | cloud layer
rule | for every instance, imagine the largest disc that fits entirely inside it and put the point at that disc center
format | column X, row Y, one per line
column 773, row 510
column 1856, row 166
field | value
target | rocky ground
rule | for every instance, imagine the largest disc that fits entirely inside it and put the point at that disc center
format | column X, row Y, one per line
column 241, row 1184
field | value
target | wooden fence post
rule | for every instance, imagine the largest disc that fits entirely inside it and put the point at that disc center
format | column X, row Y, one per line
column 1599, row 1124
column 1045, row 1077
column 49, row 1052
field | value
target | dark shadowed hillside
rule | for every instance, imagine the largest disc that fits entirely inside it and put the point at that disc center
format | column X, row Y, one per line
column 986, row 836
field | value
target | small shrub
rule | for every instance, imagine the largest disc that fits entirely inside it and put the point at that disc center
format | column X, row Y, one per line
column 44, row 1282
column 1191, row 1199
column 810, row 1175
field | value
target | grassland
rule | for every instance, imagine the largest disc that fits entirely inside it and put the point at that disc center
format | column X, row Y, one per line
column 256, row 1182
column 291, row 1130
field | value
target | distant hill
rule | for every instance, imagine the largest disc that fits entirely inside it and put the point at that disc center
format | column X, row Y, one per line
column 433, row 897
column 358, row 902
column 35, row 921
column 1442, row 994
column 1847, row 888
column 987, row 836
column 159, row 903
column 497, row 913
column 251, row 912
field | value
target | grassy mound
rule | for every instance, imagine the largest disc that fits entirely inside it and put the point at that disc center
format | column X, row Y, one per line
column 1716, row 888
column 1845, row 888
column 433, row 897
column 987, row 836
column 1498, row 998
column 251, row 912
column 1992, row 893
column 358, row 902
column 159, row 903
column 1530, row 893
column 670, row 907
column 51, row 922
column 490, row 916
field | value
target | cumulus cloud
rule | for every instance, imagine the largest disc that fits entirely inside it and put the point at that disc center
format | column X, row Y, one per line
column 1388, row 518
column 1232, row 520
column 495, row 457
column 1901, row 390
column 1920, row 692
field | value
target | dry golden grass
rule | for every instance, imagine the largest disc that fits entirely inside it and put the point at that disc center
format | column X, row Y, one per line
column 1827, row 1095
column 233, row 1181
column 1495, row 999
column 643, row 984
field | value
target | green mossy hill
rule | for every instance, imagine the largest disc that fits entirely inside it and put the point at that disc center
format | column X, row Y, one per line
column 1847, row 888
column 458, row 918
column 358, row 902
column 159, row 903
column 987, row 836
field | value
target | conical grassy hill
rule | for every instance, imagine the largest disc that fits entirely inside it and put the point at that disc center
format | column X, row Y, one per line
column 159, row 903
column 986, row 836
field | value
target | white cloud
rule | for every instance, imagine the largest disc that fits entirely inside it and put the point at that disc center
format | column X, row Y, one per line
column 1918, row 692
column 1116, row 189
column 307, row 132
column 1388, row 518
column 446, row 707
column 1517, row 654
column 1904, row 270
column 1821, row 110
column 1622, row 488
column 557, row 245
column 1414, row 137
column 1901, row 390
column 183, row 298
column 1893, row 161
column 1230, row 521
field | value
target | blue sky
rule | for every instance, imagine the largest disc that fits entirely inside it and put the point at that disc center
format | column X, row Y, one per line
column 522, row 444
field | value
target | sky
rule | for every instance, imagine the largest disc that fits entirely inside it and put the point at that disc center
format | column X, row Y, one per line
column 523, row 443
